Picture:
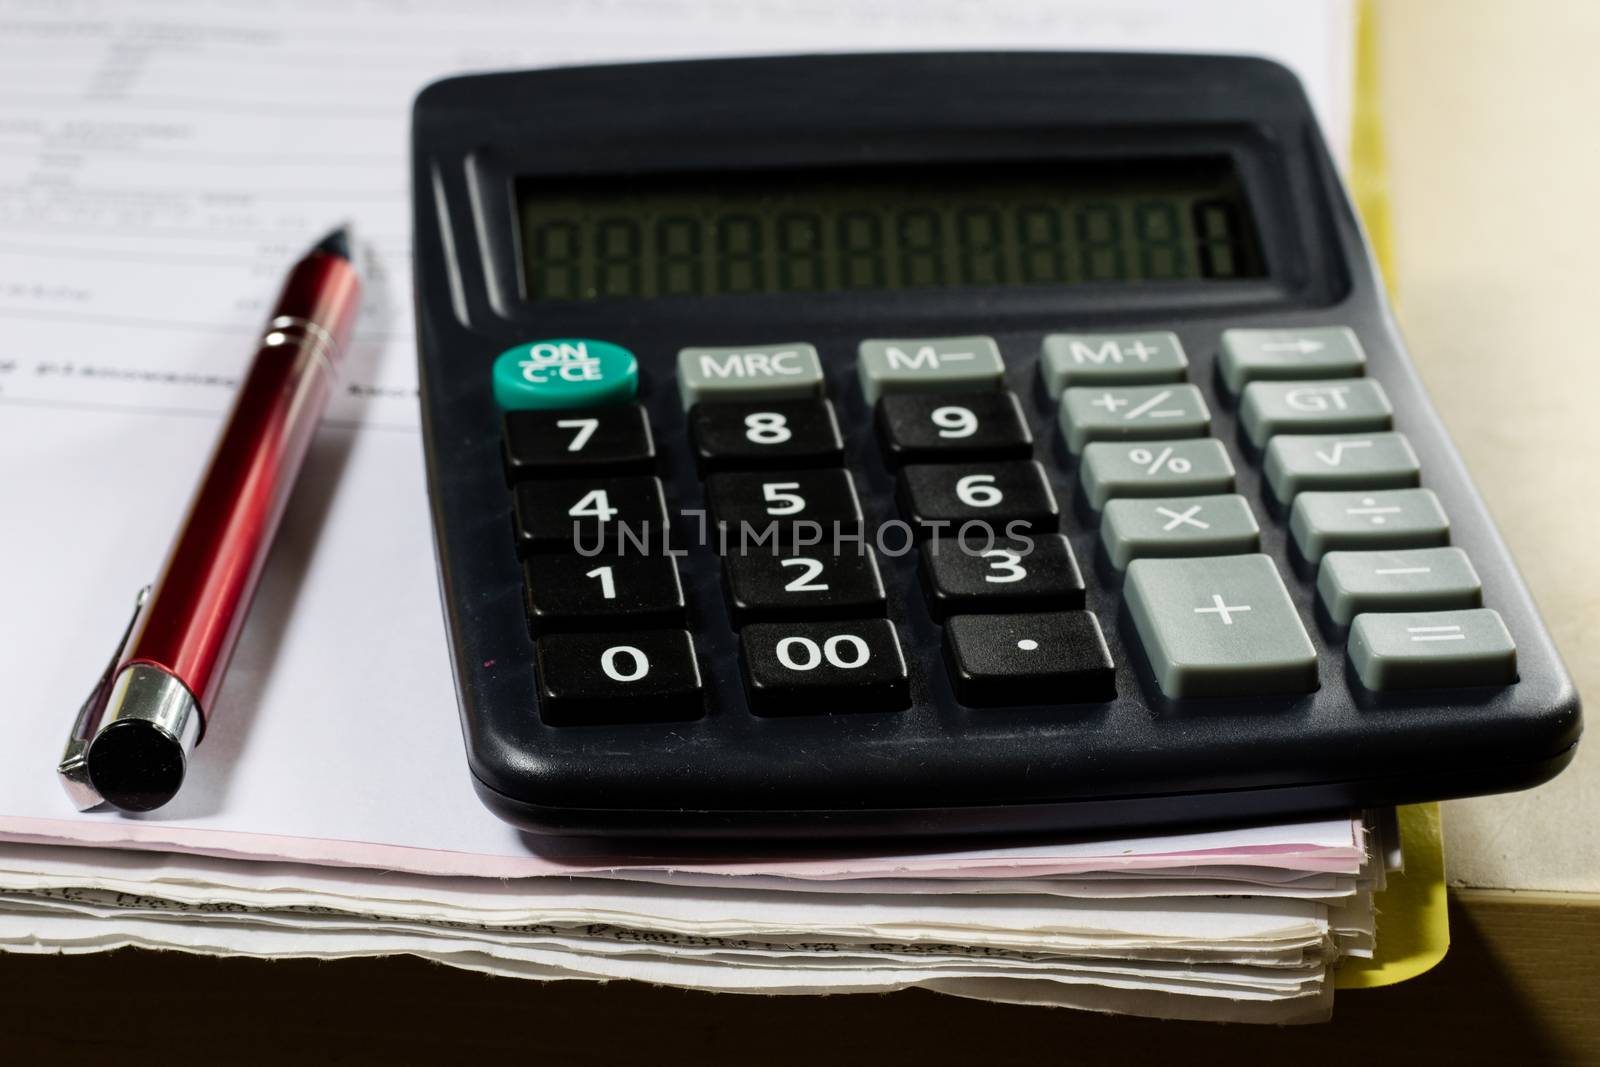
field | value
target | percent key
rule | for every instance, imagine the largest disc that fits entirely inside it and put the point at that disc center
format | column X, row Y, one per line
column 1113, row 469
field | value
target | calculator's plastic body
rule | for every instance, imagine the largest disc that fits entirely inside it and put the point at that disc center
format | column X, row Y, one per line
column 935, row 766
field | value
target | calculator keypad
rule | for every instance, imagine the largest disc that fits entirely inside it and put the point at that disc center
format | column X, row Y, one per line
column 817, row 617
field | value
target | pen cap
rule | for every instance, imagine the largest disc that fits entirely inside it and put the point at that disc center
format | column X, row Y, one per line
column 138, row 757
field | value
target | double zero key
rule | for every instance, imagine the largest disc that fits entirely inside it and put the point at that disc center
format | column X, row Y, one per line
column 796, row 668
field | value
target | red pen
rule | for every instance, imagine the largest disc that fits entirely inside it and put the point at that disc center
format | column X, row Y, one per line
column 131, row 742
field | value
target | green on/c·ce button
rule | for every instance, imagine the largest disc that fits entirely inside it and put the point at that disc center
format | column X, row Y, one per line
column 567, row 372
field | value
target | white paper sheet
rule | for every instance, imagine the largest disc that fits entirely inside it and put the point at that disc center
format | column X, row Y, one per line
column 160, row 165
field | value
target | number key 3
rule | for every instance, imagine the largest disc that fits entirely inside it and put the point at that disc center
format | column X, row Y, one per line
column 1036, row 574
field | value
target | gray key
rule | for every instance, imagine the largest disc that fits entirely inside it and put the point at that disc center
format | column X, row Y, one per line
column 1297, row 462
column 1110, row 359
column 1278, row 355
column 1168, row 468
column 1383, row 518
column 1433, row 650
column 1219, row 627
column 1178, row 526
column 749, row 372
column 1134, row 413
column 1417, row 579
column 927, row 365
column 1355, row 405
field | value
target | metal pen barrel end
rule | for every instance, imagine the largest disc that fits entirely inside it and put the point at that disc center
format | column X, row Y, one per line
column 137, row 758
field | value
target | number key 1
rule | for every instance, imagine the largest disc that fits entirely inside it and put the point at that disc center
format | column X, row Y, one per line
column 603, row 592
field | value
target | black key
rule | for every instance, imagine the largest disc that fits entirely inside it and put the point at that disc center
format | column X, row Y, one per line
column 766, row 433
column 1038, row 573
column 802, row 668
column 997, row 494
column 936, row 427
column 753, row 502
column 815, row 585
column 613, row 440
column 1058, row 658
column 643, row 676
column 603, row 592
column 585, row 513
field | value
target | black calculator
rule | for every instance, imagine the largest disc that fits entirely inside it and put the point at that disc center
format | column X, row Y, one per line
column 882, row 445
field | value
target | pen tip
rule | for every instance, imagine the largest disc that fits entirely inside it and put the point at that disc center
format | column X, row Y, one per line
column 336, row 243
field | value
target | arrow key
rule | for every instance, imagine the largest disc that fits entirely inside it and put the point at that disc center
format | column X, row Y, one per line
column 1285, row 355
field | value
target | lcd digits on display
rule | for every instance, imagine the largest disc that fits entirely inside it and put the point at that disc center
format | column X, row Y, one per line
column 998, row 225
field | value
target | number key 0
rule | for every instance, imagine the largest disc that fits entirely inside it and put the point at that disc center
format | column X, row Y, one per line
column 642, row 676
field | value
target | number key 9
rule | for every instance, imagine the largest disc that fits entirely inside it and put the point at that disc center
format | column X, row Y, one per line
column 934, row 427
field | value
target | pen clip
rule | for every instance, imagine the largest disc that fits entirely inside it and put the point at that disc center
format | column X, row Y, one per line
column 74, row 766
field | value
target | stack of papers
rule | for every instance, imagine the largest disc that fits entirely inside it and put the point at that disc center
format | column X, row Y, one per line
column 160, row 168
column 1239, row 925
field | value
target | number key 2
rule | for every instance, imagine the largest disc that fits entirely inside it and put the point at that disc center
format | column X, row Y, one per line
column 996, row 493
column 1038, row 575
column 932, row 427
column 819, row 585
column 771, row 433
column 613, row 439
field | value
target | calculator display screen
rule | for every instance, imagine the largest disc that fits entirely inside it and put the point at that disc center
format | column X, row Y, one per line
column 992, row 225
